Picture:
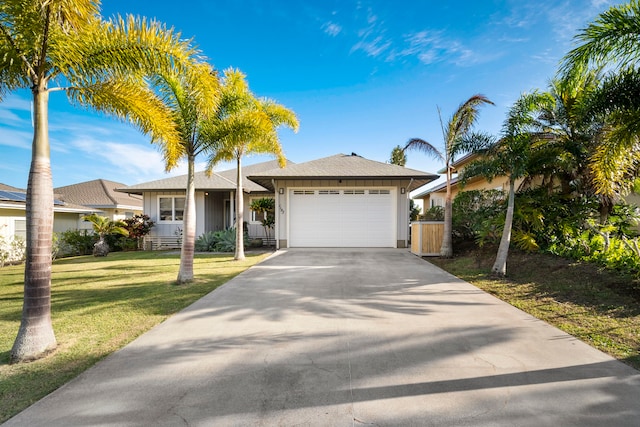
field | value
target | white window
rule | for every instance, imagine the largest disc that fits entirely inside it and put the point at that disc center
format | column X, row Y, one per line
column 20, row 228
column 171, row 208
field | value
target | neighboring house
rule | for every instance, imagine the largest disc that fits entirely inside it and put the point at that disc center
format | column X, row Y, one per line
column 100, row 195
column 337, row 201
column 435, row 196
column 13, row 221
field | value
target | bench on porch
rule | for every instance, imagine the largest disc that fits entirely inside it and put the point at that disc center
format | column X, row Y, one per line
column 152, row 243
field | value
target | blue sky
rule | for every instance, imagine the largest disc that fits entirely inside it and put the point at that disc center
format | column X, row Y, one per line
column 362, row 76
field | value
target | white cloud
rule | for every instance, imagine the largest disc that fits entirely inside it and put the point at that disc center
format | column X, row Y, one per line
column 431, row 47
column 16, row 138
column 372, row 39
column 332, row 29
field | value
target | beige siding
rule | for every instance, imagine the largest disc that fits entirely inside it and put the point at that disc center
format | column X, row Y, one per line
column 66, row 221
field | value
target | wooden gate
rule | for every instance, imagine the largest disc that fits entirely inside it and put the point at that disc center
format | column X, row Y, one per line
column 426, row 237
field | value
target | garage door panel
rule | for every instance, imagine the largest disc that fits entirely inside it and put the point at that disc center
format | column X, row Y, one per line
column 342, row 218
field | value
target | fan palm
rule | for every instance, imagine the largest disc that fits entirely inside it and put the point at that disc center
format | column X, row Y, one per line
column 98, row 64
column 458, row 126
column 192, row 99
column 245, row 125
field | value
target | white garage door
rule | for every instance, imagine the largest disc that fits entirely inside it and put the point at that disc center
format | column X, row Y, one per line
column 357, row 218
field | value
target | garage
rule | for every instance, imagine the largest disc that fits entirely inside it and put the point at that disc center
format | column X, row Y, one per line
column 351, row 217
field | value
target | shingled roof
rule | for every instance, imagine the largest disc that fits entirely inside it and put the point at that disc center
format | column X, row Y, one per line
column 99, row 194
column 221, row 181
column 5, row 187
column 344, row 166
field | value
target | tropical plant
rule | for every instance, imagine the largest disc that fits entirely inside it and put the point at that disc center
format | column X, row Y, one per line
column 245, row 125
column 104, row 226
column 218, row 241
column 457, row 128
column 138, row 226
column 265, row 207
column 612, row 40
column 512, row 156
column 192, row 99
column 475, row 212
column 101, row 64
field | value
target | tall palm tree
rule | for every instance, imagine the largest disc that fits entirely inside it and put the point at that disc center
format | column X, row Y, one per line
column 511, row 156
column 102, row 64
column 193, row 99
column 245, row 125
column 458, row 126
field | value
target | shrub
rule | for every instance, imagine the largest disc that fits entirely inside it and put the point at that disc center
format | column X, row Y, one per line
column 434, row 213
column 478, row 215
column 76, row 242
column 12, row 250
column 138, row 226
column 219, row 241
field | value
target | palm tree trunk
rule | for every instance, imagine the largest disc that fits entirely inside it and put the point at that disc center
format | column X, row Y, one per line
column 500, row 265
column 239, row 214
column 35, row 336
column 185, row 274
column 446, row 250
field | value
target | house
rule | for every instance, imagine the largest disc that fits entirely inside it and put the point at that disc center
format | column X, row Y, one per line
column 13, row 221
column 337, row 201
column 100, row 196
column 435, row 196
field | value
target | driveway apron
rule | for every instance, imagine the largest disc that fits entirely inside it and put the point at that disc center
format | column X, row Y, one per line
column 340, row 337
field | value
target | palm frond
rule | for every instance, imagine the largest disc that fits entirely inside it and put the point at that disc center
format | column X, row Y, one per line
column 613, row 38
column 133, row 101
column 423, row 146
column 615, row 161
column 122, row 46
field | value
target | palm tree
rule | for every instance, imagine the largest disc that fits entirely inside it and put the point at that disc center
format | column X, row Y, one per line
column 104, row 226
column 511, row 156
column 192, row 98
column 245, row 125
column 102, row 64
column 458, row 126
column 612, row 40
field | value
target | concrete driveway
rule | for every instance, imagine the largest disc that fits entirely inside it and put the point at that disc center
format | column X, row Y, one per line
column 348, row 338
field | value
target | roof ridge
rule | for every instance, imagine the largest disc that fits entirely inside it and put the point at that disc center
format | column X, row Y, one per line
column 107, row 192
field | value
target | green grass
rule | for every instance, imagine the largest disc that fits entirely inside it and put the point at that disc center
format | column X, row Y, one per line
column 98, row 306
column 601, row 308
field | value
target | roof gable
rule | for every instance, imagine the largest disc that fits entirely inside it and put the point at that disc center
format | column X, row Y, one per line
column 343, row 166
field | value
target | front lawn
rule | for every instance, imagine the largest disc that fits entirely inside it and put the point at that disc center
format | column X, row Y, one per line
column 602, row 308
column 98, row 306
